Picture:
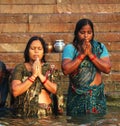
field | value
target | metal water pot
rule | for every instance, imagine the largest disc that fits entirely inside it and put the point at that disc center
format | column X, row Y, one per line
column 59, row 45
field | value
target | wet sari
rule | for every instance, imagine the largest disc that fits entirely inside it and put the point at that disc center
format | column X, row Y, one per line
column 26, row 104
column 83, row 98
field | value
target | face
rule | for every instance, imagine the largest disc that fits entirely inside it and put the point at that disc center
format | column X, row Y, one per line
column 85, row 33
column 36, row 50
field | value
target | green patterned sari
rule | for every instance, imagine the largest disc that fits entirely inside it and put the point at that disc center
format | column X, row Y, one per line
column 26, row 105
column 83, row 98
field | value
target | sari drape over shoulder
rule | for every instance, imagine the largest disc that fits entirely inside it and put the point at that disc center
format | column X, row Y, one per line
column 26, row 105
column 82, row 97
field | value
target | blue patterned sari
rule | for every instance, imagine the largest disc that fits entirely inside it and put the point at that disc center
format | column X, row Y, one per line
column 83, row 98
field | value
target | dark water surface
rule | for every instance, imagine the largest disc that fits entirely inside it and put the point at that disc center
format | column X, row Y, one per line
column 112, row 118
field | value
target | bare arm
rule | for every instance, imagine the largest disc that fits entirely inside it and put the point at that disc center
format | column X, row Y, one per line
column 50, row 86
column 103, row 64
column 68, row 65
column 19, row 88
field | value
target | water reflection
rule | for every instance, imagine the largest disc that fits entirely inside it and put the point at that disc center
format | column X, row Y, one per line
column 112, row 118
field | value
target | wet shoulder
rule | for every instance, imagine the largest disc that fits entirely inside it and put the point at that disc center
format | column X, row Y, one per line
column 20, row 66
column 69, row 46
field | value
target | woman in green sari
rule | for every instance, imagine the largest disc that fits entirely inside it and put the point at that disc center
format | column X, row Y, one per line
column 84, row 60
column 33, row 83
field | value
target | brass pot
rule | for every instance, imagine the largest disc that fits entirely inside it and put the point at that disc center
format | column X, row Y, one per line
column 49, row 47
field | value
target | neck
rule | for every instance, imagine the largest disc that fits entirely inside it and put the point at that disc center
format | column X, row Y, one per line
column 31, row 62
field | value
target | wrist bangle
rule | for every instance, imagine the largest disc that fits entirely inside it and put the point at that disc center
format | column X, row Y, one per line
column 80, row 58
column 44, row 81
column 31, row 80
column 34, row 76
column 93, row 57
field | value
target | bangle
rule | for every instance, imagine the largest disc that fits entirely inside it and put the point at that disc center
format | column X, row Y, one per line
column 33, row 76
column 44, row 81
column 31, row 80
column 93, row 57
column 80, row 57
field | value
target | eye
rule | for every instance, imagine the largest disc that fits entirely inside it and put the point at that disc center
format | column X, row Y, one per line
column 40, row 48
column 89, row 32
column 81, row 32
column 32, row 48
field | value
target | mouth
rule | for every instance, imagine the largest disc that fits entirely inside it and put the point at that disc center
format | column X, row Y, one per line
column 36, row 56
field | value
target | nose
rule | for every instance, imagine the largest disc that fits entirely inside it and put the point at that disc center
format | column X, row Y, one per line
column 85, row 35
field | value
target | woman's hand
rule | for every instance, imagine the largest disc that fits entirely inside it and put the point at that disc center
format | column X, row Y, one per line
column 87, row 48
column 37, row 69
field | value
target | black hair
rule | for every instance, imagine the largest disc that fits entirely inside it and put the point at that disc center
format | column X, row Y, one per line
column 79, row 25
column 2, row 67
column 26, row 52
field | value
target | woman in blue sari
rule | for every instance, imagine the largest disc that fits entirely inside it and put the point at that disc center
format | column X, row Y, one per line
column 84, row 60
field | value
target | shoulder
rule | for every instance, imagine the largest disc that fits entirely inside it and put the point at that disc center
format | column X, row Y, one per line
column 103, row 45
column 69, row 46
column 104, row 52
column 69, row 52
column 19, row 66
column 100, row 43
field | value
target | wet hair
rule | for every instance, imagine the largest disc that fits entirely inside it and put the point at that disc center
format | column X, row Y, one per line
column 81, row 23
column 2, row 67
column 26, row 52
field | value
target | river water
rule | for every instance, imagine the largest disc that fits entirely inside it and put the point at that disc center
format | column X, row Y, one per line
column 112, row 118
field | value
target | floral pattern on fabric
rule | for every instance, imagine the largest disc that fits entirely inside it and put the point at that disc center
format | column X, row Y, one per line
column 26, row 105
column 83, row 98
